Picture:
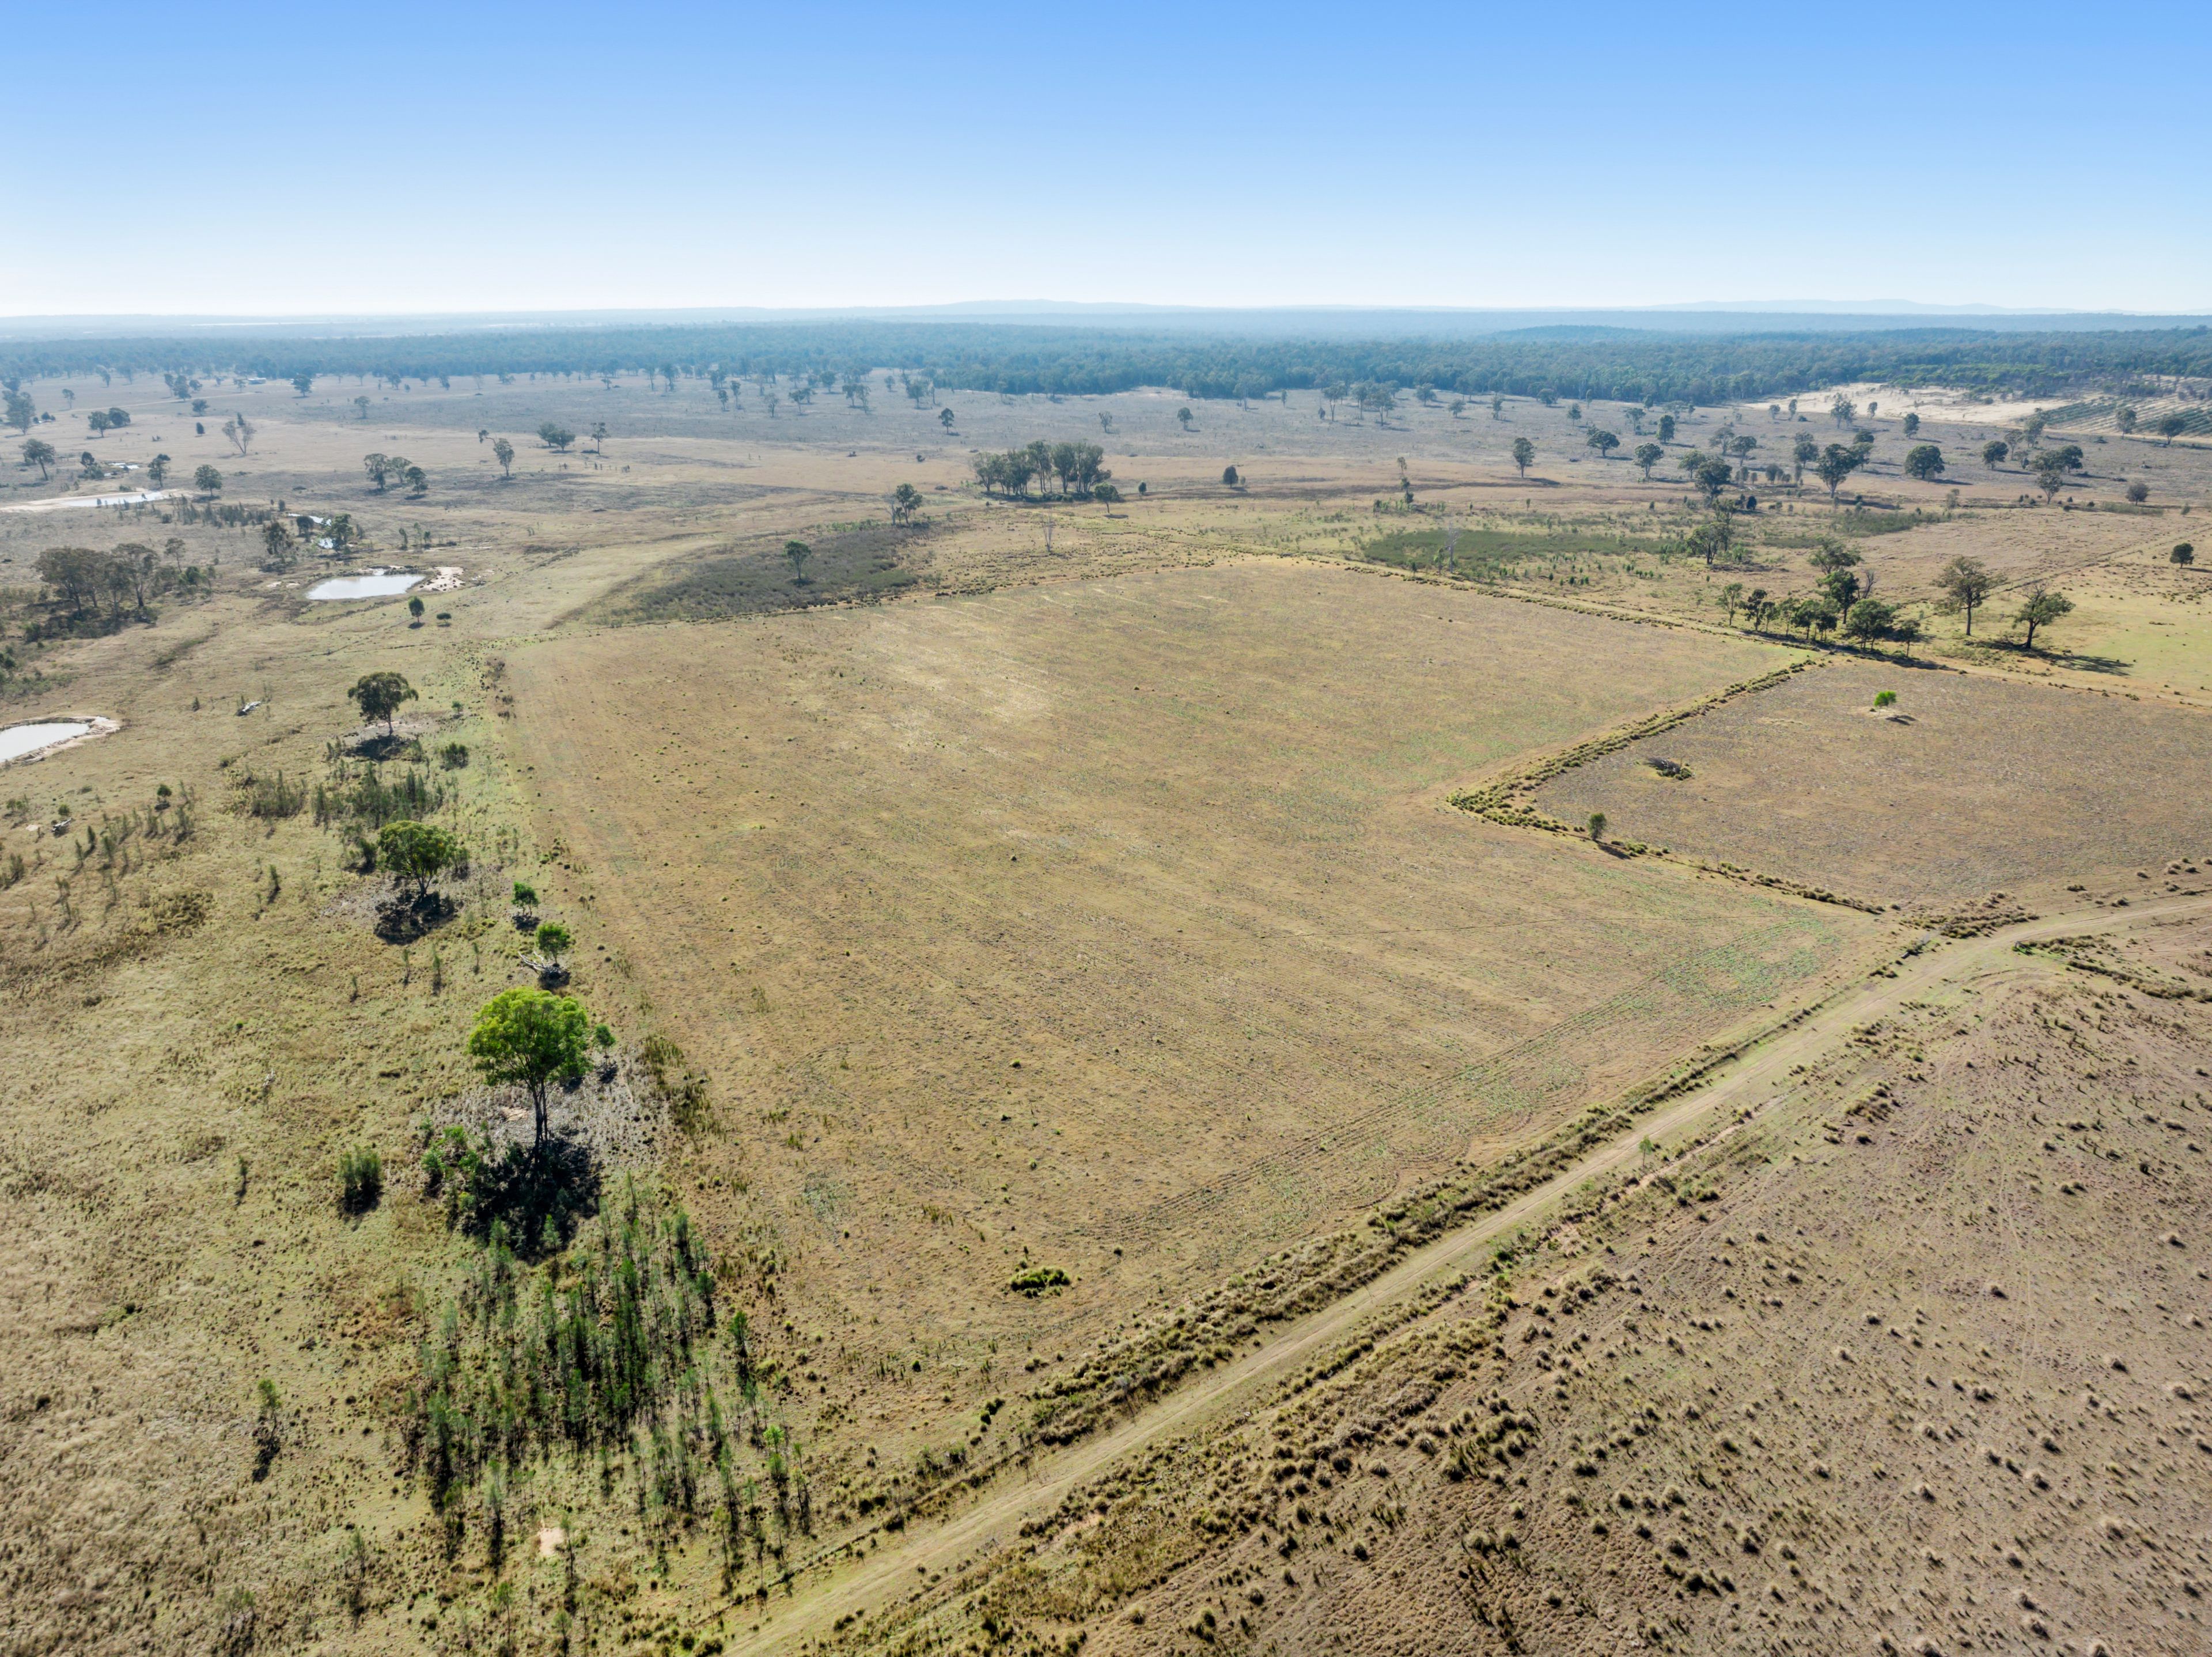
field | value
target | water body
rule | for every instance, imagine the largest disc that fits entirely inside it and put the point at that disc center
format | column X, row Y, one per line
column 137, row 497
column 374, row 585
column 18, row 741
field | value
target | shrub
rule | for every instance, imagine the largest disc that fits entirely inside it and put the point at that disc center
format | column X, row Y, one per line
column 1038, row 1279
column 272, row 796
column 455, row 755
column 2184, row 553
column 1885, row 699
column 361, row 1179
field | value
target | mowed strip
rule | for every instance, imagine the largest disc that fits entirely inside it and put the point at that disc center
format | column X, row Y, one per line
column 1121, row 921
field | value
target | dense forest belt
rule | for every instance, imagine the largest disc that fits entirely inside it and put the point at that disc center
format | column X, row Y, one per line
column 1611, row 364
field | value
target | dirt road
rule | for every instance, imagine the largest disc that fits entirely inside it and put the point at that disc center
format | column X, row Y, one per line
column 876, row 1578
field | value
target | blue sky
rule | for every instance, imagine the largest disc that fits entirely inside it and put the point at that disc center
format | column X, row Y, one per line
column 253, row 159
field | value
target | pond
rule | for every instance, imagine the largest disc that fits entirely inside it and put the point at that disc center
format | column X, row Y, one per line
column 374, row 585
column 136, row 498
column 20, row 740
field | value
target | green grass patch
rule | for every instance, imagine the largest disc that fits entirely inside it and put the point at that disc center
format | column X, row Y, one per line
column 863, row 561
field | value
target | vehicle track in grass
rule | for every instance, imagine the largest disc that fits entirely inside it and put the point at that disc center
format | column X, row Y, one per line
column 837, row 1582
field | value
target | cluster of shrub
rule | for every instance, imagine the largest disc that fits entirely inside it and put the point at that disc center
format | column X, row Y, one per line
column 1081, row 469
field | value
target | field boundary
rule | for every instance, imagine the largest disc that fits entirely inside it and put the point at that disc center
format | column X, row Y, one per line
column 1509, row 799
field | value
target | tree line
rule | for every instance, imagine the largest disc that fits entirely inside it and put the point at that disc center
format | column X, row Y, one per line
column 1017, row 359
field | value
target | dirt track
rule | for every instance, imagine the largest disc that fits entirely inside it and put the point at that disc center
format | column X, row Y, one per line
column 841, row 1588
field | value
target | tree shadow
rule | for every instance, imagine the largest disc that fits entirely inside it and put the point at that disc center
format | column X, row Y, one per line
column 405, row 917
column 395, row 746
column 536, row 1194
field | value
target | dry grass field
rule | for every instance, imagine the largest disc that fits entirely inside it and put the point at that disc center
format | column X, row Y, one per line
column 1924, row 803
column 1913, row 1362
column 1116, row 927
column 1072, row 888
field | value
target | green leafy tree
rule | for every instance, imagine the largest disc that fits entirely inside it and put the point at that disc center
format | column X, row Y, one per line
column 503, row 452
column 380, row 696
column 532, row 1038
column 420, row 852
column 1994, row 453
column 1965, row 584
column 1525, row 454
column 554, row 941
column 1228, row 476
column 1924, row 462
column 2041, row 608
column 1665, row 428
column 1649, row 455
column 1182, row 418
column 415, row 608
column 1597, row 825
column 1604, row 443
column 1869, row 618
column 379, row 468
column 1803, row 453
column 303, row 383
column 1843, row 410
column 279, row 549
column 40, row 453
column 1731, row 597
column 21, row 411
column 2183, row 553
column 1711, row 474
column 906, row 501
column 1836, row 464
column 798, row 553
column 2124, row 417
column 157, row 471
column 1912, row 425
column 2050, row 469
column 207, row 480
column 598, row 437
column 361, row 407
column 555, row 438
column 944, row 418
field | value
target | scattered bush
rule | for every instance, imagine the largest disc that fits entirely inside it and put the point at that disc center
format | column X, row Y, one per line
column 361, row 1179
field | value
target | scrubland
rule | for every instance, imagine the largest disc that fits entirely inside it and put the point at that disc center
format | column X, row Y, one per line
column 1050, row 977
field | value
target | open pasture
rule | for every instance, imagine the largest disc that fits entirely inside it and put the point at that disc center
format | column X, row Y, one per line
column 1117, row 927
column 1980, row 784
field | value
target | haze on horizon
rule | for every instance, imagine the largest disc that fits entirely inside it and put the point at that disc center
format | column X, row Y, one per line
column 511, row 160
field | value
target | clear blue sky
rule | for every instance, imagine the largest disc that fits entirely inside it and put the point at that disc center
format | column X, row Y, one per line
column 253, row 158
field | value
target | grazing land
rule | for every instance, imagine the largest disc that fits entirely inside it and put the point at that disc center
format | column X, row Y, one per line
column 1916, row 803
column 1079, row 1110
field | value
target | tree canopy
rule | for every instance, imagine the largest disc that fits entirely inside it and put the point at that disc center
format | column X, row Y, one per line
column 531, row 1037
column 381, row 694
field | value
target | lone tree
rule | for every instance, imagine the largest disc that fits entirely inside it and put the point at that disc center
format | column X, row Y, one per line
column 906, row 501
column 1597, row 825
column 418, row 852
column 555, row 438
column 361, row 407
column 379, row 468
column 40, row 453
column 1525, row 454
column 207, row 480
column 1994, row 453
column 1924, row 462
column 1228, row 476
column 554, row 941
column 1649, row 455
column 2171, row 426
column 1182, row 418
column 2041, row 609
column 531, row 1037
column 1836, row 463
column 944, row 418
column 798, row 553
column 503, row 452
column 1965, row 584
column 2183, row 553
column 1604, row 443
column 380, row 695
column 2050, row 475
